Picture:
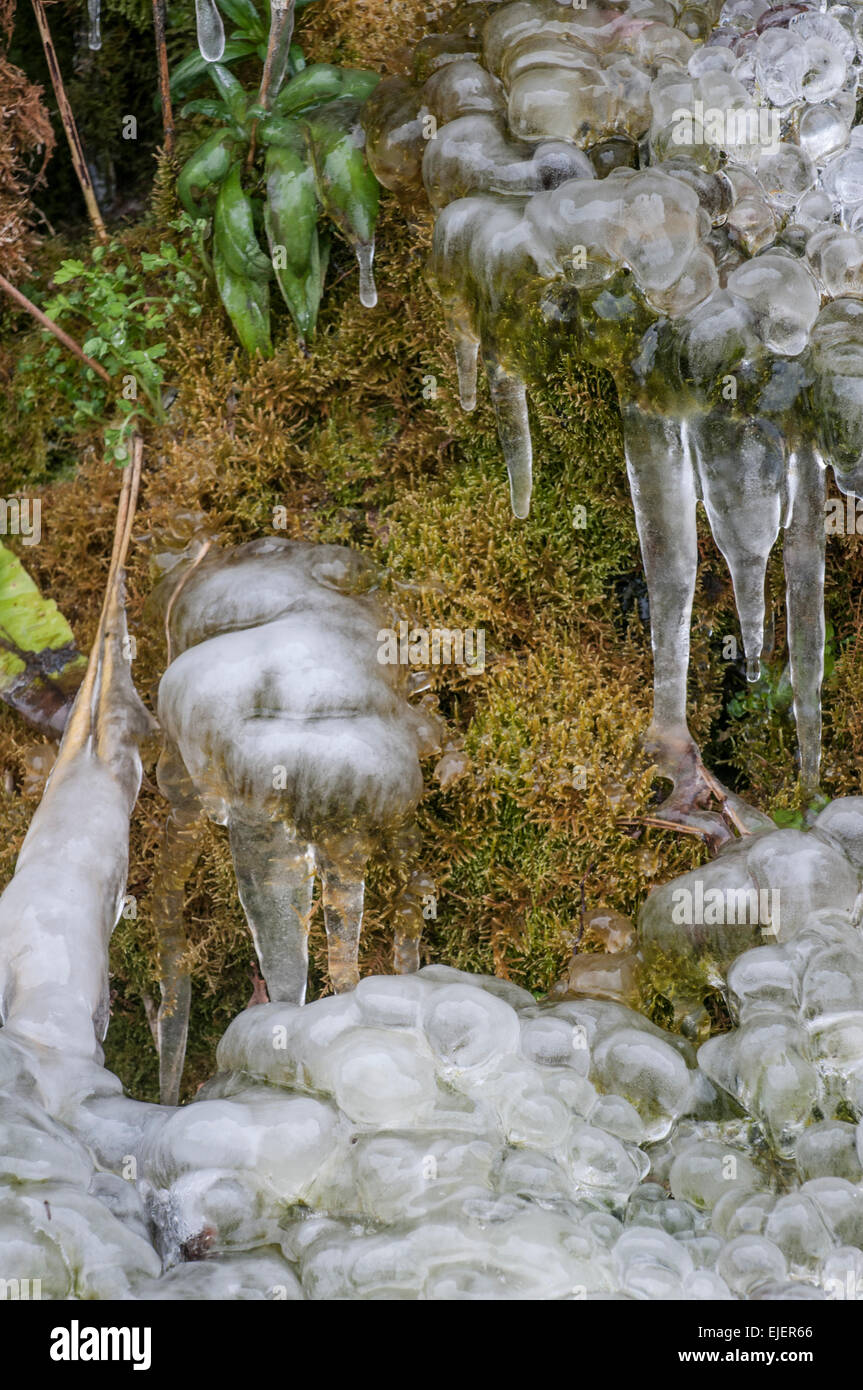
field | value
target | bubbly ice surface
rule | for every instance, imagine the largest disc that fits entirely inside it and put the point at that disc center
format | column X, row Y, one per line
column 653, row 158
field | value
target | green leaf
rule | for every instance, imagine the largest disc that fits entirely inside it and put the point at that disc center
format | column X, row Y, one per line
column 193, row 70
column 207, row 106
column 67, row 271
column 245, row 15
column 40, row 666
column 230, row 89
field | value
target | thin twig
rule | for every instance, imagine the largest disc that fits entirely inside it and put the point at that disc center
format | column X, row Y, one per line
column 75, row 146
column 660, row 824
column 49, row 324
column 81, row 722
column 721, row 796
column 164, row 76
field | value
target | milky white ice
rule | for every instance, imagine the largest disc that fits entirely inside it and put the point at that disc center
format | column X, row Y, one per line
column 675, row 193
column 435, row 1136
column 280, row 722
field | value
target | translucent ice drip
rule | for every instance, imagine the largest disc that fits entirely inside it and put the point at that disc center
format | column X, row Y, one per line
column 365, row 254
column 685, row 196
column 94, row 32
column 211, row 30
column 282, row 722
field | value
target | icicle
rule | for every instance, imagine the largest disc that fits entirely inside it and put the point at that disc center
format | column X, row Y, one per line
column 343, row 919
column 466, row 346
column 466, row 353
column 365, row 254
column 510, row 408
column 663, row 494
column 341, row 860
column 741, row 467
column 94, row 37
column 275, row 880
column 803, row 554
column 211, row 30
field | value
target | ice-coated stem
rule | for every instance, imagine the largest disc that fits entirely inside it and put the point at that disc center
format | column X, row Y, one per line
column 275, row 63
column 278, row 49
column 509, row 399
column 662, row 484
column 211, row 30
column 803, row 554
column 275, row 880
column 741, row 467
column 365, row 254
column 58, row 912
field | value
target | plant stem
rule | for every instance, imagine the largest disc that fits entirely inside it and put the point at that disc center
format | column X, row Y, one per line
column 75, row 147
column 54, row 328
column 164, row 76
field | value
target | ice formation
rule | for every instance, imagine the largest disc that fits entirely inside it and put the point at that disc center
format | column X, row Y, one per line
column 281, row 722
column 210, row 30
column 94, row 22
column 435, row 1135
column 446, row 1136
column 677, row 192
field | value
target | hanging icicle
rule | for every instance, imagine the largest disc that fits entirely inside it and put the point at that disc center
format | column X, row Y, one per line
column 94, row 36
column 211, row 30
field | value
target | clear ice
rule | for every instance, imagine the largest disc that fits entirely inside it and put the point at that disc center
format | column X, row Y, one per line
column 211, row 30
column 94, row 30
column 281, row 722
column 679, row 193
